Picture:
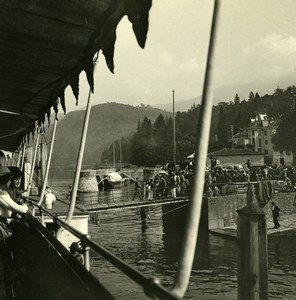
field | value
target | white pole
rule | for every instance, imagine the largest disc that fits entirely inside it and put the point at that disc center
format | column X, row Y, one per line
column 194, row 211
column 23, row 157
column 33, row 162
column 79, row 160
column 48, row 161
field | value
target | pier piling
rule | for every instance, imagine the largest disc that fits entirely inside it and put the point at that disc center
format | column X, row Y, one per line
column 252, row 260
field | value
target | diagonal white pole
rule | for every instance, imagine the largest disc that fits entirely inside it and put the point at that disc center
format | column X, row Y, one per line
column 33, row 162
column 194, row 209
column 79, row 159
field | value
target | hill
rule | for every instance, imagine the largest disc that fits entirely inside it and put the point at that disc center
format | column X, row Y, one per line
column 108, row 121
column 227, row 93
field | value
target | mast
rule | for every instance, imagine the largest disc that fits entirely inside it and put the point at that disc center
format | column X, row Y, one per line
column 120, row 154
column 174, row 128
column 114, row 162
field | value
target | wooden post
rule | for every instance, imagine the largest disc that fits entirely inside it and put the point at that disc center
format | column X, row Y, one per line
column 252, row 260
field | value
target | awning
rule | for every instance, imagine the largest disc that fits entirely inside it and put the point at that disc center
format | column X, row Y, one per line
column 44, row 46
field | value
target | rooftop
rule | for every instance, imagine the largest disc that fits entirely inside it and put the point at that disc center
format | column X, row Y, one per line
column 234, row 152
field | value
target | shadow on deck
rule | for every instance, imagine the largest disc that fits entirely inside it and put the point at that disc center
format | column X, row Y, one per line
column 42, row 268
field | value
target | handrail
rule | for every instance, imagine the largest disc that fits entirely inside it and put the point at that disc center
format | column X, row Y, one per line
column 85, row 277
column 151, row 285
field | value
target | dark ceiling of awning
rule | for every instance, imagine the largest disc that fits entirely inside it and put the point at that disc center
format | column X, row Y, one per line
column 44, row 46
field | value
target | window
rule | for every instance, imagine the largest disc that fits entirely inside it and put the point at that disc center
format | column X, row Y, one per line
column 265, row 132
column 253, row 141
column 260, row 143
column 266, row 142
column 265, row 151
column 282, row 161
column 253, row 132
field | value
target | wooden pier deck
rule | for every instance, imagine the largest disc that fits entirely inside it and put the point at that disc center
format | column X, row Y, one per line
column 287, row 222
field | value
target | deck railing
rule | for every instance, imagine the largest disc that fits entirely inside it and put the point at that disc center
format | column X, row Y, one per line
column 151, row 285
column 125, row 196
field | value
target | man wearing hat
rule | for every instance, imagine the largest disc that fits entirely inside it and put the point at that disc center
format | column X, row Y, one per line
column 7, row 205
column 15, row 186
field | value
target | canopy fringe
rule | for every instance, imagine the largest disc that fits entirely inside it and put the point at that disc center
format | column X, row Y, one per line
column 74, row 83
column 108, row 50
column 138, row 15
column 62, row 100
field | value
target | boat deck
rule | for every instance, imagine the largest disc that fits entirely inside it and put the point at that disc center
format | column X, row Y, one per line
column 60, row 207
column 2, row 278
column 38, row 262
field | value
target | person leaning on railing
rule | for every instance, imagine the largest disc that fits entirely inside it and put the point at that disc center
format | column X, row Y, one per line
column 7, row 207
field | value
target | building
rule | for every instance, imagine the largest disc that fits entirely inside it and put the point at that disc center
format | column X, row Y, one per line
column 233, row 156
column 258, row 136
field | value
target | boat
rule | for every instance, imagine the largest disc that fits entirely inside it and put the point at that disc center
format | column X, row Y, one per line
column 44, row 47
column 112, row 180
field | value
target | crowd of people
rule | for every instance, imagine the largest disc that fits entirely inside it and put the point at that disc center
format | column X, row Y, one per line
column 173, row 181
column 217, row 176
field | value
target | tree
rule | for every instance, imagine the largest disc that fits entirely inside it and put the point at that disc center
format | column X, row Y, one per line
column 223, row 131
column 236, row 99
column 285, row 136
column 251, row 96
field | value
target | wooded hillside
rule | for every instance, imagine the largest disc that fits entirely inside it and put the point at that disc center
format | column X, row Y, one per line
column 153, row 142
column 108, row 122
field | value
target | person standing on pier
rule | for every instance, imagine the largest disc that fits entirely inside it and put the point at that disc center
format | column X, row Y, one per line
column 275, row 215
column 137, row 189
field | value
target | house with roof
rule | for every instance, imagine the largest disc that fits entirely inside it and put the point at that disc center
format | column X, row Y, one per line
column 258, row 136
column 233, row 156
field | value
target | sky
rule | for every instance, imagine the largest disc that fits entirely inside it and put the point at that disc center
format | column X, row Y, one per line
column 256, row 42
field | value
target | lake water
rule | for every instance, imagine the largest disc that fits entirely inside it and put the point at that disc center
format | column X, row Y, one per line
column 154, row 247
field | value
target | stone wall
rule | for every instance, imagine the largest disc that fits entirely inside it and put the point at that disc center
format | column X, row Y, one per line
column 222, row 209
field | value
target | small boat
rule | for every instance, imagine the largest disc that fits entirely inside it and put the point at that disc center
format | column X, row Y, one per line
column 111, row 180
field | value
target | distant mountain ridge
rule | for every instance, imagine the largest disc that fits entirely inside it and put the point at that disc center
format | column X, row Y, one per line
column 108, row 121
column 227, row 93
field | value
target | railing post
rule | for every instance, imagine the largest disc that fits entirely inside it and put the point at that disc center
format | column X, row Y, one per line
column 252, row 260
column 86, row 249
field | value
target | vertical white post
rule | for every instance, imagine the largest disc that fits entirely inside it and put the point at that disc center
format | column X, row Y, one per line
column 33, row 161
column 48, row 161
